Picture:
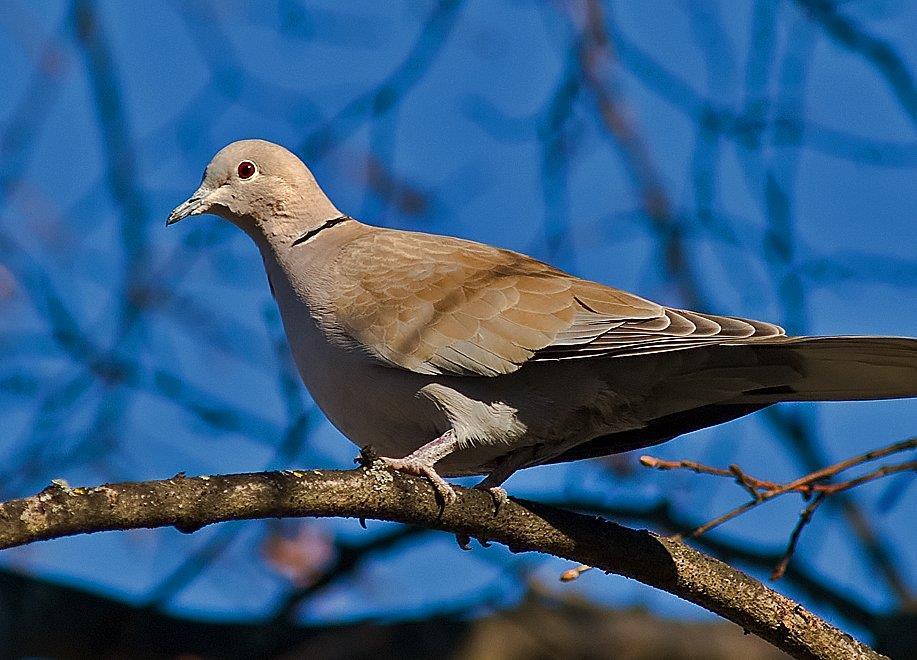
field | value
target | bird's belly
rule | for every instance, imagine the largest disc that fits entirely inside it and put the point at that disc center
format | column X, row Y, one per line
column 370, row 412
column 369, row 403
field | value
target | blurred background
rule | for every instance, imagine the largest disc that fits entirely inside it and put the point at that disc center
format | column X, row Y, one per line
column 748, row 157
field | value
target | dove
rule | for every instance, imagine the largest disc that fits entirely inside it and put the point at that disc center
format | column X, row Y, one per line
column 450, row 357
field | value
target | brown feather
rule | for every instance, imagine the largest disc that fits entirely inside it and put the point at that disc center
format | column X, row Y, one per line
column 440, row 305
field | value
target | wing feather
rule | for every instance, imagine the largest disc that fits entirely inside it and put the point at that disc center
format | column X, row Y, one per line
column 439, row 305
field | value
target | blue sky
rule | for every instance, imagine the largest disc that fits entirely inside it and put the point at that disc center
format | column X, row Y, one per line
column 460, row 106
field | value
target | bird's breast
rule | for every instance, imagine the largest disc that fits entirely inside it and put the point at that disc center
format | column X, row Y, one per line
column 369, row 403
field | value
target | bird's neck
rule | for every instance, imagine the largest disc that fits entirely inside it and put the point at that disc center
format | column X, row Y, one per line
column 302, row 275
column 288, row 220
column 301, row 247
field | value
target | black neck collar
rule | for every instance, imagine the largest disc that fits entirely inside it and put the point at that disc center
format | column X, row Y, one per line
column 327, row 224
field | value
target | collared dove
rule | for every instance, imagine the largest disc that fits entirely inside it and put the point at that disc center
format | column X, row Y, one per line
column 450, row 357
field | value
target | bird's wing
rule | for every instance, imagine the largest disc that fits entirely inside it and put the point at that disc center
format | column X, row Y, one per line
column 440, row 305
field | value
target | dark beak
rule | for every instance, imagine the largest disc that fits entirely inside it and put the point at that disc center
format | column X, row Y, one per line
column 193, row 206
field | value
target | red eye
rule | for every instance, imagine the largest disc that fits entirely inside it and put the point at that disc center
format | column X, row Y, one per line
column 246, row 169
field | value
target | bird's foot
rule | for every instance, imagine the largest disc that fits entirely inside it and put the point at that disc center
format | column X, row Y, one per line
column 420, row 463
column 420, row 468
column 497, row 494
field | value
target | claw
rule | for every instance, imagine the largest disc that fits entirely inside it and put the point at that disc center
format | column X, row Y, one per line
column 366, row 457
column 499, row 497
column 419, row 468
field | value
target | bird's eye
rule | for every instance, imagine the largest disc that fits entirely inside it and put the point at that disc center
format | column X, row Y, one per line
column 246, row 169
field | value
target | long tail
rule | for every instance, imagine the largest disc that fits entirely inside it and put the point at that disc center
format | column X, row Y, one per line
column 838, row 369
column 702, row 387
column 697, row 388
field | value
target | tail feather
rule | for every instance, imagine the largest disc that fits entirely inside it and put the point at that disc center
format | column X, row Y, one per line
column 839, row 369
column 700, row 387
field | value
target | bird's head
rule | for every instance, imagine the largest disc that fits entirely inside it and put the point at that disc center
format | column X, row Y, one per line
column 261, row 187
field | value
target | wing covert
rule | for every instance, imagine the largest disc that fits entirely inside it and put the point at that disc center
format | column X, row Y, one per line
column 440, row 305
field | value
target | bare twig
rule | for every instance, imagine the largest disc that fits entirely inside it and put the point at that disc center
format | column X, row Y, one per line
column 750, row 483
column 807, row 484
column 812, row 483
column 804, row 517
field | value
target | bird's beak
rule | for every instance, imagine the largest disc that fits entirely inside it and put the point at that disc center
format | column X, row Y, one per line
column 194, row 205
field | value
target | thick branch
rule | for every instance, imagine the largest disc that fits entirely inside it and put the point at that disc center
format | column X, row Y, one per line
column 375, row 492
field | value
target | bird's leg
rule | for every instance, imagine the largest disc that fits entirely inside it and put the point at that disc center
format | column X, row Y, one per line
column 504, row 470
column 492, row 484
column 421, row 461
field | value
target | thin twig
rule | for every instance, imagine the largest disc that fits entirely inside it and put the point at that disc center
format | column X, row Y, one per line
column 804, row 517
column 813, row 483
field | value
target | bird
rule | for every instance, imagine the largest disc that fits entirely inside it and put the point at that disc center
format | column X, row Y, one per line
column 451, row 358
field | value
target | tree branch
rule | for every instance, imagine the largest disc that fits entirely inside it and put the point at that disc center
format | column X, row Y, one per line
column 375, row 492
column 763, row 491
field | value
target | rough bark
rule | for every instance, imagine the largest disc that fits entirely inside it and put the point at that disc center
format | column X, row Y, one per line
column 375, row 492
